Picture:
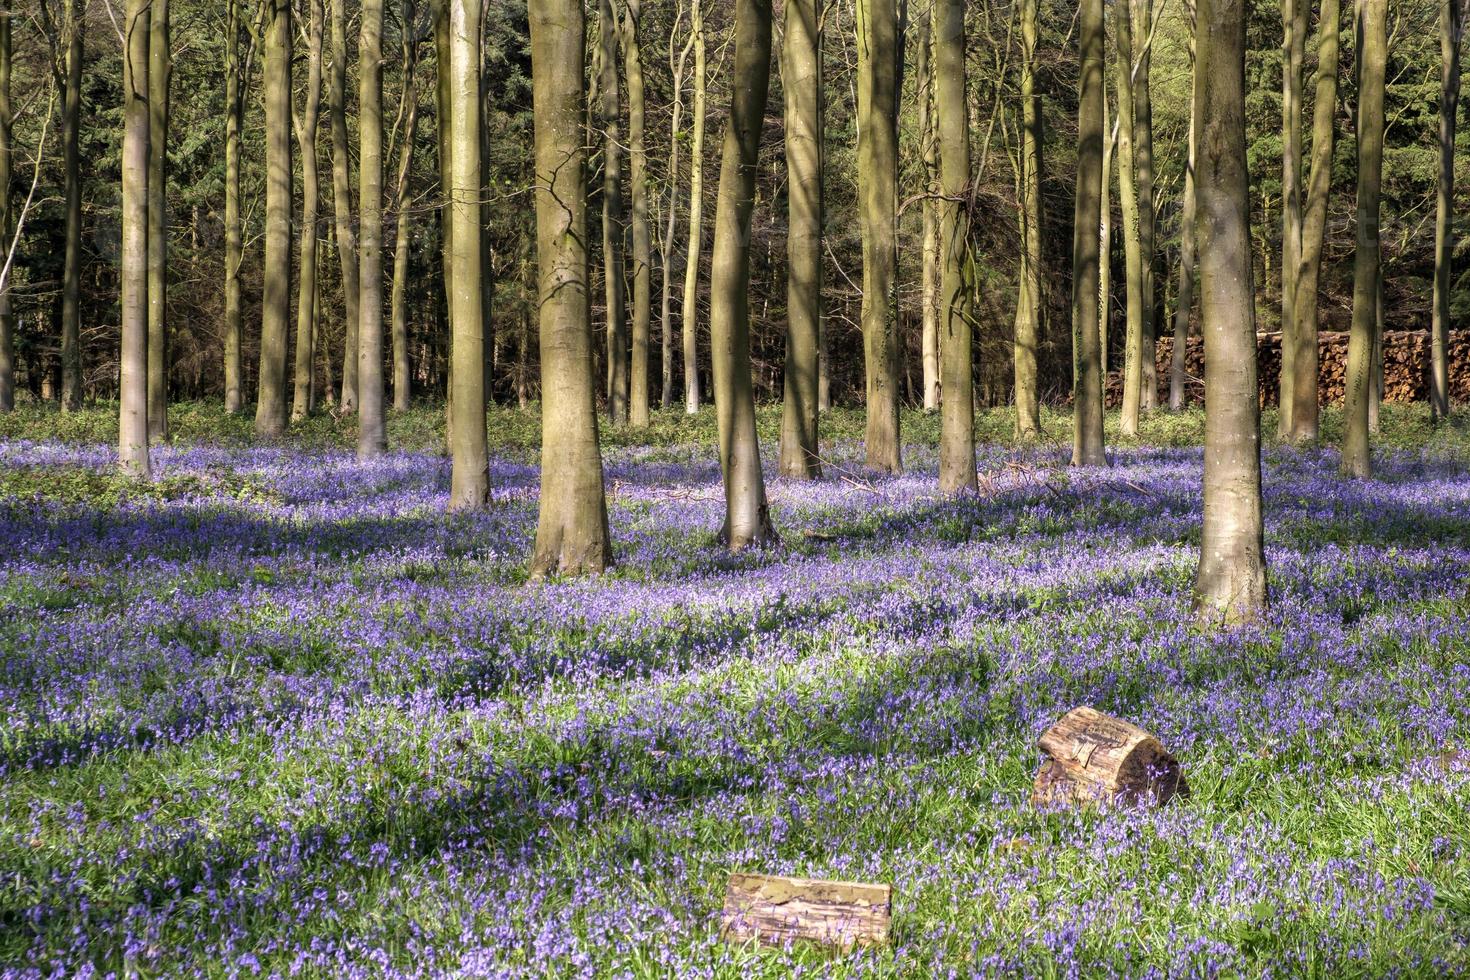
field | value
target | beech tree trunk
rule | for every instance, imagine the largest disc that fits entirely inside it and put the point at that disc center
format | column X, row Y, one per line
column 801, row 81
column 957, row 406
column 160, row 67
column 1305, row 357
column 1451, row 33
column 1087, row 380
column 1230, row 585
column 1029, row 302
column 1184, row 295
column 402, row 223
column 275, row 313
column 1106, row 232
column 614, row 284
column 929, row 275
column 1129, row 199
column 572, row 531
column 1372, row 55
column 71, row 275
column 342, row 204
column 372, row 435
column 638, row 387
column 666, row 246
column 7, row 218
column 689, row 311
column 234, row 236
column 747, row 515
column 1293, row 57
column 306, row 131
column 1143, row 152
column 132, row 435
column 877, row 110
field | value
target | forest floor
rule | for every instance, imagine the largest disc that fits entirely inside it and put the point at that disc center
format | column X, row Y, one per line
column 276, row 712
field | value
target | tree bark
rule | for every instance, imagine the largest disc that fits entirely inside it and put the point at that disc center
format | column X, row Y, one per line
column 666, row 247
column 306, row 131
column 1184, row 295
column 1143, row 154
column 689, row 310
column 160, row 68
column 609, row 107
column 1451, row 33
column 270, row 407
column 801, row 81
column 747, row 515
column 71, row 276
column 372, row 436
column 1129, row 199
column 877, row 110
column 132, row 436
column 342, row 204
column 1372, row 58
column 572, row 531
column 957, row 382
column 234, row 236
column 7, row 218
column 638, row 387
column 1106, row 232
column 1293, row 57
column 929, row 274
column 1305, row 357
column 1230, row 585
column 1087, row 381
column 402, row 239
column 1029, row 303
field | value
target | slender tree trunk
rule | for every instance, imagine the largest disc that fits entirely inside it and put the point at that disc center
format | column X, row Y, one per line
column 270, row 408
column 372, row 436
column 929, row 154
column 801, row 82
column 160, row 68
column 957, row 379
column 1305, row 358
column 1451, row 32
column 7, row 218
column 1231, row 581
column 402, row 240
column 1087, row 380
column 1128, row 193
column 877, row 108
column 306, row 131
column 132, row 436
column 638, row 388
column 747, row 516
column 572, row 531
column 1029, row 304
column 1294, row 15
column 1184, row 296
column 234, row 236
column 470, row 475
column 689, row 311
column 71, row 276
column 1105, row 232
column 609, row 107
column 1372, row 55
column 443, row 96
column 342, row 204
column 666, row 247
column 1143, row 152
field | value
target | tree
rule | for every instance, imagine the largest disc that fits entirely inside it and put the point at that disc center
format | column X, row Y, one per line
column 305, row 126
column 234, row 234
column 1230, row 584
column 1184, row 295
column 1143, row 149
column 1087, row 382
column 66, row 43
column 270, row 406
column 957, row 409
column 408, row 119
column 609, row 106
column 666, row 247
column 689, row 311
column 801, row 79
column 642, row 237
column 1130, row 195
column 1451, row 33
column 929, row 271
column 1304, row 357
column 372, row 435
column 1293, row 57
column 470, row 476
column 7, row 314
column 132, row 435
column 571, row 532
column 160, row 69
column 1367, row 268
column 342, row 205
column 747, row 515
column 1029, row 302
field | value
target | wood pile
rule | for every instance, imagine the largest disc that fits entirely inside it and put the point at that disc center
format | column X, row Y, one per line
column 1405, row 367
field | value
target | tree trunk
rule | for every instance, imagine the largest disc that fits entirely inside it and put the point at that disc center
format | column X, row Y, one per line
column 572, row 531
column 1143, row 154
column 1304, row 358
column 801, row 82
column 1184, row 296
column 1105, row 232
column 1128, row 194
column 470, row 476
column 71, row 276
column 1293, row 57
column 234, row 236
column 638, row 389
column 929, row 274
column 957, row 407
column 402, row 240
column 1087, row 381
column 270, row 407
column 689, row 311
column 372, row 435
column 1451, row 31
column 1029, row 303
column 1231, row 582
column 609, row 107
column 160, row 68
column 342, row 204
column 666, row 247
column 877, row 110
column 132, row 435
column 444, row 112
column 7, row 218
column 306, row 130
column 747, row 516
column 1372, row 57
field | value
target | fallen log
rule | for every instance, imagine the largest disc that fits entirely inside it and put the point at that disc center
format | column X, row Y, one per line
column 775, row 910
column 1096, row 758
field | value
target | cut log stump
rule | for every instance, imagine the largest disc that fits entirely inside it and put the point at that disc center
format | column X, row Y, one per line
column 775, row 911
column 1096, row 758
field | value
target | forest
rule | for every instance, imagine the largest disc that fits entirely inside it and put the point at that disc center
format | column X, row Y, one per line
column 687, row 488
